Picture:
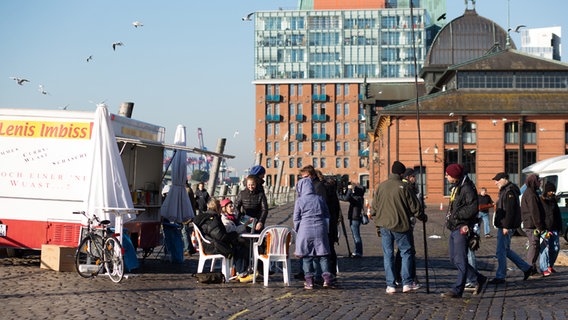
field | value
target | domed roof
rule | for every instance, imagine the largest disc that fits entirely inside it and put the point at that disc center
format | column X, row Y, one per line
column 464, row 38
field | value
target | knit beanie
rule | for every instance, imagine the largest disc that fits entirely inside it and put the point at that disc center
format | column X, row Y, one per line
column 455, row 170
column 409, row 173
column 549, row 186
column 398, row 168
column 257, row 170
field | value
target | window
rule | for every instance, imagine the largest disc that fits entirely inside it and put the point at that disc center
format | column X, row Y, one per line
column 529, row 157
column 512, row 132
column 292, row 90
column 315, row 162
column 292, row 109
column 300, row 89
column 292, row 129
column 346, row 109
column 276, row 146
column 451, row 132
column 315, row 146
column 300, row 128
column 450, row 156
column 277, row 129
column 300, row 146
column 345, row 162
column 566, row 133
column 529, row 133
column 268, row 109
column 291, row 147
column 322, row 146
column 338, row 162
column 469, row 130
column 338, row 109
column 346, row 146
column 299, row 163
column 291, row 163
column 322, row 162
column 300, row 108
column 269, row 129
column 346, row 128
column 268, row 146
column 337, row 128
column 337, row 146
column 512, row 165
column 346, row 90
column 269, row 162
column 337, row 89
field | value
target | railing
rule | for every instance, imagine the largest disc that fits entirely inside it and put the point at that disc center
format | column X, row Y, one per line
column 274, row 195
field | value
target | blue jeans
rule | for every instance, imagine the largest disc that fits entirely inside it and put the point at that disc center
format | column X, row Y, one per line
column 458, row 247
column 504, row 251
column 485, row 217
column 310, row 264
column 549, row 251
column 403, row 242
column 472, row 261
column 356, row 232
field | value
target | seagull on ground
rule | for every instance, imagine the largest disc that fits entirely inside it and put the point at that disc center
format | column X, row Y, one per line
column 20, row 81
column 41, row 90
column 116, row 44
column 137, row 24
column 248, row 17
column 89, row 58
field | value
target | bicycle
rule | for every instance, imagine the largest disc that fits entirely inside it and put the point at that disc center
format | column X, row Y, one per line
column 99, row 251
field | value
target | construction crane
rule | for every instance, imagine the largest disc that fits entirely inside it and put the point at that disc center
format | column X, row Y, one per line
column 206, row 159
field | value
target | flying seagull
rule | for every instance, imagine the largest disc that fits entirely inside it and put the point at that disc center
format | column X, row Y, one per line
column 518, row 28
column 442, row 17
column 137, row 24
column 248, row 17
column 41, row 90
column 116, row 44
column 20, row 81
column 89, row 58
column 236, row 134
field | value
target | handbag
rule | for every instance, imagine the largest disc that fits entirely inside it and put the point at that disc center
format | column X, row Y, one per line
column 364, row 219
column 209, row 277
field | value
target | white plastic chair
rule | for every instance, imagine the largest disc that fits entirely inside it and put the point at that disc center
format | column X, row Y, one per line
column 203, row 257
column 278, row 241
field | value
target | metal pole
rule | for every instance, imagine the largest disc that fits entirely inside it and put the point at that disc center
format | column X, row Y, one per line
column 419, row 150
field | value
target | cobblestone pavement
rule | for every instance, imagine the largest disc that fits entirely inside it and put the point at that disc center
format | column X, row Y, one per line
column 162, row 290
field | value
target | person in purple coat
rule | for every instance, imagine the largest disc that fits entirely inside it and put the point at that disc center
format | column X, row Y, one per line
column 311, row 223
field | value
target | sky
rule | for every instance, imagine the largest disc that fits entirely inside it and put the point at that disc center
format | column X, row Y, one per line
column 191, row 63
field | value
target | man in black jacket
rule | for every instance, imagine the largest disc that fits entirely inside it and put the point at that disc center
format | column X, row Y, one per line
column 507, row 220
column 461, row 216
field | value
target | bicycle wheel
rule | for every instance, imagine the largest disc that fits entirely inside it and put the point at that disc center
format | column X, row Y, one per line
column 89, row 255
column 114, row 263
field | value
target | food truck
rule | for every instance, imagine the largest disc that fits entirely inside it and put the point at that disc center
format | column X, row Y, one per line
column 44, row 175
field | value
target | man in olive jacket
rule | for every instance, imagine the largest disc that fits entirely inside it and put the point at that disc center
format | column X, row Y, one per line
column 391, row 208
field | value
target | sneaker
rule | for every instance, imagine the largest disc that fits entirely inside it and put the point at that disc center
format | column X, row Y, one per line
column 410, row 287
column 551, row 270
column 450, row 294
column 496, row 281
column 470, row 285
column 391, row 290
column 245, row 279
column 546, row 273
column 308, row 286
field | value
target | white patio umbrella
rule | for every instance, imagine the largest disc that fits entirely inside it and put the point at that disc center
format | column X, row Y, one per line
column 108, row 195
column 177, row 207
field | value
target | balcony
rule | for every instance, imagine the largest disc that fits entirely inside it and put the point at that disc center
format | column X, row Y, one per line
column 319, row 97
column 319, row 118
column 300, row 118
column 300, row 137
column 364, row 153
column 273, row 118
column 320, row 137
column 362, row 136
column 273, row 98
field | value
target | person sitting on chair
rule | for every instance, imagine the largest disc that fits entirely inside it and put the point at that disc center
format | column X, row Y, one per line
column 232, row 224
column 213, row 229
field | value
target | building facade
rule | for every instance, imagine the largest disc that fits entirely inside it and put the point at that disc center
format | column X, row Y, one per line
column 542, row 42
column 312, row 71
